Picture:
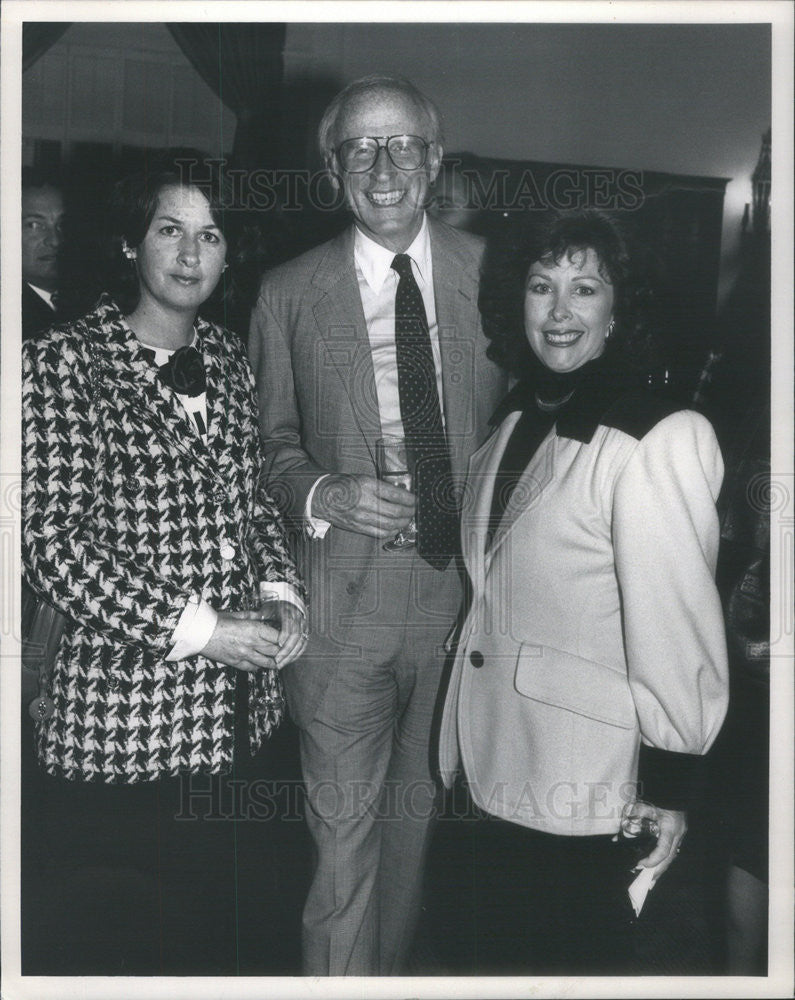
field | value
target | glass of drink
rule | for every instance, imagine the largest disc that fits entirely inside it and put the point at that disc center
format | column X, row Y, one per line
column 392, row 466
column 639, row 829
column 261, row 606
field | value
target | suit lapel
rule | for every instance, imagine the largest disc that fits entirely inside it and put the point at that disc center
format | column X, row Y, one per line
column 341, row 324
column 531, row 484
column 455, row 293
column 36, row 314
column 483, row 466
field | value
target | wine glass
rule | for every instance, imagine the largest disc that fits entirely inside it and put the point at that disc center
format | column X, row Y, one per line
column 639, row 829
column 392, row 466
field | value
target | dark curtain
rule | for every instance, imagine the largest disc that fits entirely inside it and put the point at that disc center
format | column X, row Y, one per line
column 38, row 36
column 243, row 64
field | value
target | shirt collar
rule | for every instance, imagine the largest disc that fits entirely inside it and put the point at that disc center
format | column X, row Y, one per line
column 47, row 296
column 375, row 261
column 166, row 352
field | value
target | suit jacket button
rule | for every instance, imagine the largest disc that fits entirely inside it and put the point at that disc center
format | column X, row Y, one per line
column 476, row 658
column 227, row 552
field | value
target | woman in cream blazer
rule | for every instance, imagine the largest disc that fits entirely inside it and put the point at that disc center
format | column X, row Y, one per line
column 590, row 673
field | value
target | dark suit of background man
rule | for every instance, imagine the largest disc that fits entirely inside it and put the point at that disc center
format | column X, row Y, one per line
column 42, row 235
column 323, row 348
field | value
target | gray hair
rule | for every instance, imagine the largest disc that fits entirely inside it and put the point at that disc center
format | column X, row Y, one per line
column 377, row 81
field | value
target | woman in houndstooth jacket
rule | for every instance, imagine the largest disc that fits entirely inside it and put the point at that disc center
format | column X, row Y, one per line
column 145, row 524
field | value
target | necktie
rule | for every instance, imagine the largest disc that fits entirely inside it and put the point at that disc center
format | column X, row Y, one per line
column 437, row 511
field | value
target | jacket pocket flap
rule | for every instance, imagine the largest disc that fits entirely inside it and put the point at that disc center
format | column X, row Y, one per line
column 578, row 685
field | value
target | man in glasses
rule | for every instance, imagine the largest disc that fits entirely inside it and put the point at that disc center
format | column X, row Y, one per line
column 374, row 333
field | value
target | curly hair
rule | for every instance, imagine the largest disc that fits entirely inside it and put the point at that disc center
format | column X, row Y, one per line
column 132, row 205
column 549, row 238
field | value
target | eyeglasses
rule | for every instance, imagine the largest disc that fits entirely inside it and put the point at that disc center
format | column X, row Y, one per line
column 407, row 152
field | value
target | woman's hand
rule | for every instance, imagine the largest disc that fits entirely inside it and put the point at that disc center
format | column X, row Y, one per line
column 270, row 636
column 293, row 633
column 671, row 827
column 242, row 641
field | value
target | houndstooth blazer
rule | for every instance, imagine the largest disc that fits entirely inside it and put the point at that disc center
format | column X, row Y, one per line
column 126, row 513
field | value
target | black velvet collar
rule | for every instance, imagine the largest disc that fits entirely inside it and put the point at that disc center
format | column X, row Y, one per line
column 594, row 387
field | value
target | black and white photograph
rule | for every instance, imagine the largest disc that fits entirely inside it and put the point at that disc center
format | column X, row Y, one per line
column 396, row 499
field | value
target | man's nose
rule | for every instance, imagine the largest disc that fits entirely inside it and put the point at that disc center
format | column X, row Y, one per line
column 53, row 236
column 383, row 165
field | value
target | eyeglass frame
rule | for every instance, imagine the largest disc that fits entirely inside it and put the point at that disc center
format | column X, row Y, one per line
column 382, row 142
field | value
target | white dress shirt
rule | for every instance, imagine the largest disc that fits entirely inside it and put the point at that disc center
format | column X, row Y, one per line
column 42, row 294
column 378, row 287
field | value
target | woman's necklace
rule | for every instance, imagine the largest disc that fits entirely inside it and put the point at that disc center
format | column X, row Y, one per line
column 549, row 406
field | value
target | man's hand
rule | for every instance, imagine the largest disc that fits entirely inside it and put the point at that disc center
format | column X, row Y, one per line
column 672, row 827
column 241, row 641
column 363, row 504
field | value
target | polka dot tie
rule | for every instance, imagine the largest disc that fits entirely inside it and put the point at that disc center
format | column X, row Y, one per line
column 437, row 510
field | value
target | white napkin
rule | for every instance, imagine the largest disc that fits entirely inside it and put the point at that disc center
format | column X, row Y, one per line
column 639, row 889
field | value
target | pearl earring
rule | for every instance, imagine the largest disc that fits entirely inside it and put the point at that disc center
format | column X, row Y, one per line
column 610, row 327
column 128, row 252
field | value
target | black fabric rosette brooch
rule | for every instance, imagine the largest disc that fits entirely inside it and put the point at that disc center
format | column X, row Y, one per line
column 184, row 372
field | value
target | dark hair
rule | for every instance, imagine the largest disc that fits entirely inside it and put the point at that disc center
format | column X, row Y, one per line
column 35, row 178
column 132, row 206
column 549, row 237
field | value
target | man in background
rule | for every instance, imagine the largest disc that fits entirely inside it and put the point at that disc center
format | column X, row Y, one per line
column 42, row 236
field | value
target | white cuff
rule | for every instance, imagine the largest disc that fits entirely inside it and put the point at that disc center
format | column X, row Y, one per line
column 282, row 591
column 194, row 628
column 315, row 527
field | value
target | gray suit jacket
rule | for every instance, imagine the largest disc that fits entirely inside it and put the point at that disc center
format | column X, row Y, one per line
column 319, row 413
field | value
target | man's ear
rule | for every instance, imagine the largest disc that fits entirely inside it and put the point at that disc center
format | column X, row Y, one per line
column 435, row 154
column 333, row 173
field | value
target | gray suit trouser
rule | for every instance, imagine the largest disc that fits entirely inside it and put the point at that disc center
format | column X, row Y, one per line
column 365, row 761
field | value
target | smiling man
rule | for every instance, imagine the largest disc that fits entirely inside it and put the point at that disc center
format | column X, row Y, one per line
column 374, row 333
column 42, row 235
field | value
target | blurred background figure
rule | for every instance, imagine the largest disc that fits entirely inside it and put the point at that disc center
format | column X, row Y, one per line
column 734, row 391
column 743, row 750
column 42, row 237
